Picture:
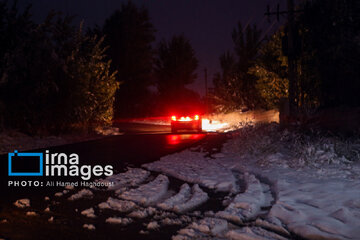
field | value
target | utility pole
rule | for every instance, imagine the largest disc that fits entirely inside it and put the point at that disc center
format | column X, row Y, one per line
column 206, row 87
column 206, row 91
column 67, row 7
column 292, row 66
column 291, row 52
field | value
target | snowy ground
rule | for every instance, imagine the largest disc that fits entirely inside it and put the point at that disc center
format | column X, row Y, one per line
column 271, row 184
column 303, row 185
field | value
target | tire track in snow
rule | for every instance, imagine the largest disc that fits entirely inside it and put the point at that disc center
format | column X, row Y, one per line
column 141, row 197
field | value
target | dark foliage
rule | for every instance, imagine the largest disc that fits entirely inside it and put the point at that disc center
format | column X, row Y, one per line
column 235, row 87
column 129, row 35
column 327, row 39
column 271, row 72
column 330, row 60
column 53, row 77
column 174, row 69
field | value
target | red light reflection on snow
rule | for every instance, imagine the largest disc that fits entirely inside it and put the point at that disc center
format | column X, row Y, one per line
column 175, row 139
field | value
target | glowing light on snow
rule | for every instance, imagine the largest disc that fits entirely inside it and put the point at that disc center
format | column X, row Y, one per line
column 213, row 125
column 175, row 139
column 218, row 122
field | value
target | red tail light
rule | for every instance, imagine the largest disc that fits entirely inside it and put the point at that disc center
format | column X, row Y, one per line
column 185, row 119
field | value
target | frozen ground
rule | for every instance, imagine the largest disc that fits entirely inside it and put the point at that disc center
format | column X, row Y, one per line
column 308, row 184
column 268, row 184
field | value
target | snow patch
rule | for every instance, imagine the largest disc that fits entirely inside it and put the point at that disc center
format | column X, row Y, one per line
column 273, row 227
column 211, row 226
column 108, row 131
column 139, row 214
column 152, row 225
column 22, row 203
column 117, row 205
column 119, row 220
column 142, row 213
column 69, row 187
column 182, row 196
column 193, row 167
column 81, row 194
column 89, row 226
column 253, row 233
column 31, row 213
column 89, row 213
column 59, row 194
column 143, row 232
column 164, row 214
column 132, row 178
column 247, row 205
column 170, row 221
column 197, row 198
column 314, row 210
column 188, row 234
column 149, row 193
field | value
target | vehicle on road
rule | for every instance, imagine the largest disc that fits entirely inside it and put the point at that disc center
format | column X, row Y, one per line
column 186, row 120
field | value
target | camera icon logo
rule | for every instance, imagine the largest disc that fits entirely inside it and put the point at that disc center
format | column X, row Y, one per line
column 25, row 164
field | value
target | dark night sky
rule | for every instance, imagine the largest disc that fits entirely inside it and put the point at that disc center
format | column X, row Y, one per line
column 207, row 23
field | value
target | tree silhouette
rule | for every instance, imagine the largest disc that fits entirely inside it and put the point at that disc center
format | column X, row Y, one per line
column 175, row 68
column 236, row 87
column 226, row 94
column 247, row 42
column 129, row 35
column 53, row 77
column 271, row 72
column 330, row 58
